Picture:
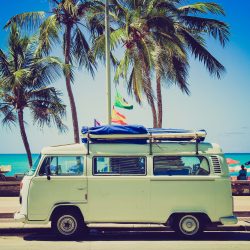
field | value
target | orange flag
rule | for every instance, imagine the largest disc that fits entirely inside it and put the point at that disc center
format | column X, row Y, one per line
column 118, row 117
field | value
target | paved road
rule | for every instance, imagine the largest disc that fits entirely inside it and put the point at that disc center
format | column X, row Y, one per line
column 98, row 240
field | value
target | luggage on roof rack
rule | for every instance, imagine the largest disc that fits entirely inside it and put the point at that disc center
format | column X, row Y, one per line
column 138, row 134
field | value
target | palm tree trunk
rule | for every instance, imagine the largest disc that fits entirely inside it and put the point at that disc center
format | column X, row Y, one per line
column 24, row 136
column 68, row 84
column 159, row 99
column 149, row 92
column 153, row 109
column 151, row 100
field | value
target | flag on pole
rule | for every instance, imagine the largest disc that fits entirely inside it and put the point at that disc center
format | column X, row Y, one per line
column 96, row 123
column 120, row 102
column 118, row 118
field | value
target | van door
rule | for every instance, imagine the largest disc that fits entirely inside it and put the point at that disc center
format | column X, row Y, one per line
column 181, row 184
column 67, row 184
column 118, row 189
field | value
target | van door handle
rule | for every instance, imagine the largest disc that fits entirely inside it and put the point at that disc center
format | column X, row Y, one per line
column 80, row 188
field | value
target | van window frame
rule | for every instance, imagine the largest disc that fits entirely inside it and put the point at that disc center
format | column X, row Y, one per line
column 207, row 160
column 120, row 156
column 84, row 173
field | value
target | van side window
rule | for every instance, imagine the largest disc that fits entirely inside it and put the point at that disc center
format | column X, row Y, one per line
column 62, row 165
column 119, row 166
column 180, row 165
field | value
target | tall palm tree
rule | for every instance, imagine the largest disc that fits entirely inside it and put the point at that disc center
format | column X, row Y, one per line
column 191, row 28
column 158, row 36
column 24, row 85
column 64, row 24
column 137, row 59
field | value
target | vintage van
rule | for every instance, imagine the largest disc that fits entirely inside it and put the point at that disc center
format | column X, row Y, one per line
column 168, row 177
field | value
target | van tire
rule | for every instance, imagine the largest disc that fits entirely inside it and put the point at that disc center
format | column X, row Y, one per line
column 67, row 224
column 188, row 226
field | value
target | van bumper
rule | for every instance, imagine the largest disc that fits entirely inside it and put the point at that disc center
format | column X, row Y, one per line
column 229, row 220
column 19, row 217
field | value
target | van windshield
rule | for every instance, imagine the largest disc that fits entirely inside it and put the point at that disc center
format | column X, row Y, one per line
column 32, row 170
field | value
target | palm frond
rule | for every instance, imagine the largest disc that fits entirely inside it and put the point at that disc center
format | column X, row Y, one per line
column 118, row 7
column 9, row 117
column 98, row 48
column 134, row 88
column 203, row 8
column 29, row 20
column 156, row 6
column 48, row 35
column 212, row 27
column 16, row 79
column 122, row 67
column 45, row 71
column 213, row 66
column 4, row 64
column 70, row 7
column 116, row 37
column 82, row 52
column 89, row 7
column 47, row 108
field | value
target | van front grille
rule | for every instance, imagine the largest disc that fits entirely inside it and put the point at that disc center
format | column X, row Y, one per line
column 216, row 164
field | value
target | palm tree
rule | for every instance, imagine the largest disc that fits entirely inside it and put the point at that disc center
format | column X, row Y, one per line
column 137, row 59
column 66, row 21
column 24, row 85
column 158, row 37
column 191, row 30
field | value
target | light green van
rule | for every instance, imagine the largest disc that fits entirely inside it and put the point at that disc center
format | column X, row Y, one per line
column 185, row 185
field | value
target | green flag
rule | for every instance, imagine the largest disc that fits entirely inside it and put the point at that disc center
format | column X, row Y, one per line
column 121, row 102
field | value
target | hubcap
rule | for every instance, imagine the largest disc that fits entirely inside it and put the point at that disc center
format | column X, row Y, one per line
column 189, row 225
column 67, row 225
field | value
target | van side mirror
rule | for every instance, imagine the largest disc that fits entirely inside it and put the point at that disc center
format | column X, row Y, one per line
column 48, row 172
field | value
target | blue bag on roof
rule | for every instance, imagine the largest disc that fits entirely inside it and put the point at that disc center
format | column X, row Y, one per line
column 116, row 130
column 138, row 134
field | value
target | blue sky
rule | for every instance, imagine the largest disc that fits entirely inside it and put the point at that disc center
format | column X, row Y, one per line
column 219, row 106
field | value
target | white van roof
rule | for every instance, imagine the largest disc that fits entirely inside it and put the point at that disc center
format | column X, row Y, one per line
column 185, row 148
column 74, row 149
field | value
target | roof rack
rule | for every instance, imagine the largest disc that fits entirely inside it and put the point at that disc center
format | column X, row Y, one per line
column 139, row 135
column 191, row 136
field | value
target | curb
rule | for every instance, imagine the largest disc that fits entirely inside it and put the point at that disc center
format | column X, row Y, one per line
column 6, row 215
column 242, row 213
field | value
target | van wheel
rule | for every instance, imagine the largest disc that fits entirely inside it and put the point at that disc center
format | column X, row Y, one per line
column 188, row 226
column 67, row 224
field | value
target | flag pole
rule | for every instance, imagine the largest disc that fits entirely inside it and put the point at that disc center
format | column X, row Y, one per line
column 108, row 76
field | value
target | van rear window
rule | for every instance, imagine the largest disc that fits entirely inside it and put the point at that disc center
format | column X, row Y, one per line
column 119, row 166
column 181, row 165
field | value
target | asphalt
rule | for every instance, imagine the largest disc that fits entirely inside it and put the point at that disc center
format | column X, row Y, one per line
column 8, row 205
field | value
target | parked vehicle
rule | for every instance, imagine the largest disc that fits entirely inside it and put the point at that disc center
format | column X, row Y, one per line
column 163, row 177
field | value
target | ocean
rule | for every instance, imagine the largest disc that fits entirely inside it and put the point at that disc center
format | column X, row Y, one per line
column 19, row 162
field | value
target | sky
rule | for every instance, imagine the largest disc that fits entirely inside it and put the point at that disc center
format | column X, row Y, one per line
column 221, row 107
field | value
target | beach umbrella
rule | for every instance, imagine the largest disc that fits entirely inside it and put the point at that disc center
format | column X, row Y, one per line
column 231, row 161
